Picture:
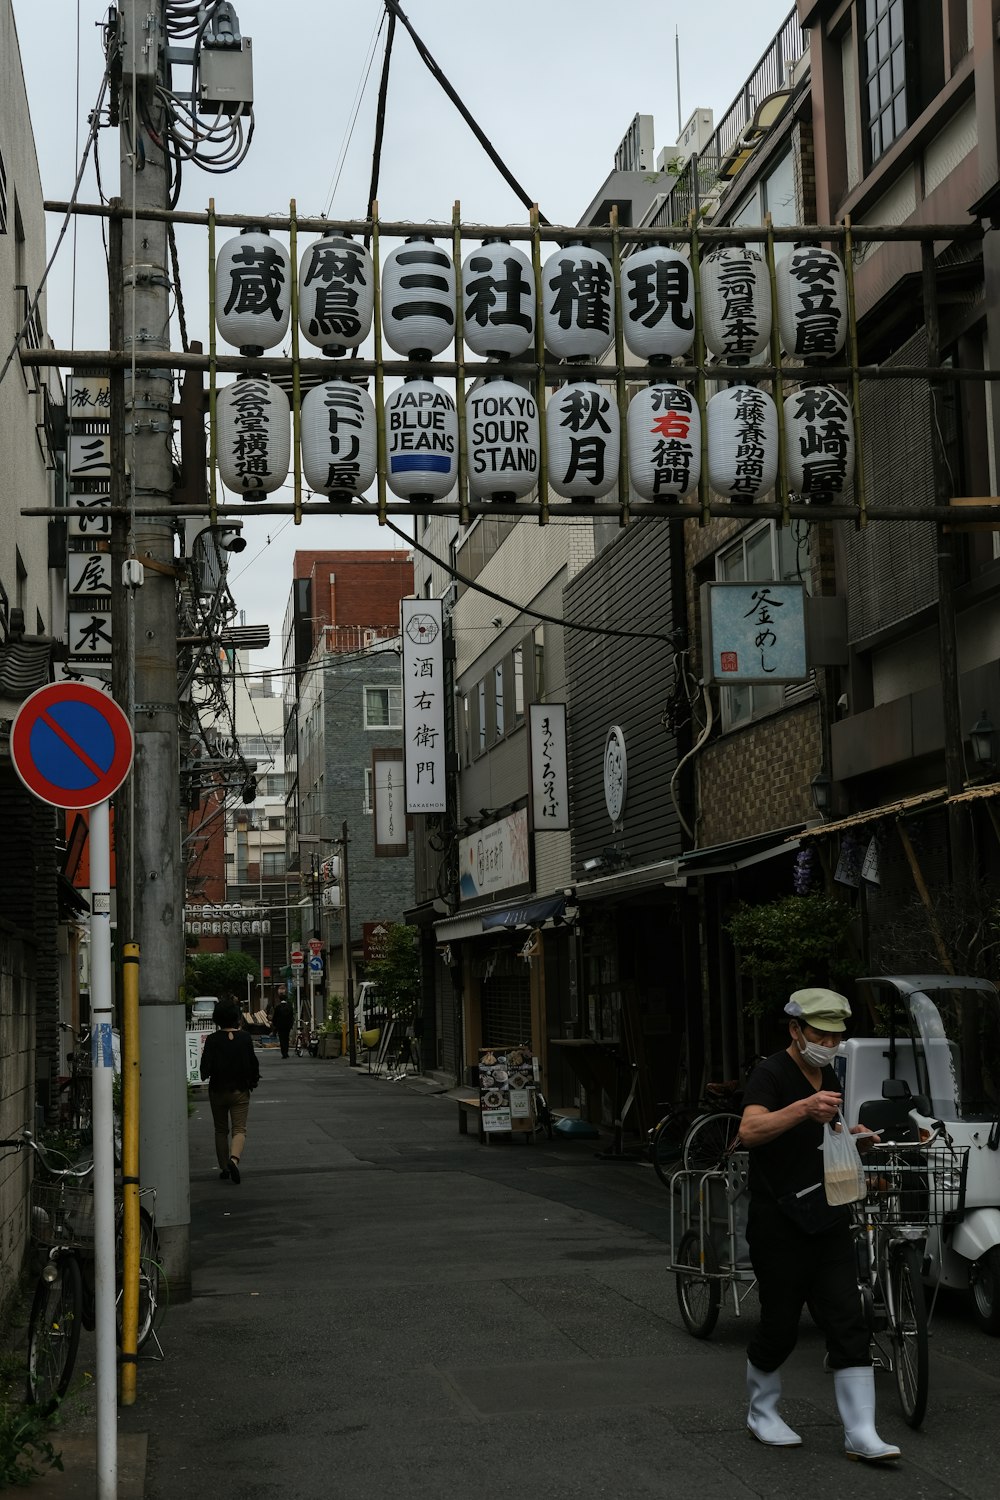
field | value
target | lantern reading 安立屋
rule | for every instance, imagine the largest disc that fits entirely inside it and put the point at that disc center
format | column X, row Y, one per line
column 812, row 303
column 735, row 303
column 252, row 436
column 578, row 303
column 421, row 439
column 336, row 294
column 253, row 296
column 583, row 440
column 418, row 299
column 742, row 442
column 664, row 442
column 657, row 303
column 338, row 436
column 819, row 443
column 502, row 440
column 498, row 300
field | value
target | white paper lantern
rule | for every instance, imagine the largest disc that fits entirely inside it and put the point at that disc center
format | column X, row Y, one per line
column 742, row 443
column 812, row 302
column 657, row 303
column 498, row 300
column 252, row 436
column 583, row 439
column 735, row 302
column 418, row 299
column 501, row 425
column 338, row 434
column 421, row 437
column 253, row 291
column 336, row 293
column 664, row 442
column 819, row 442
column 578, row 303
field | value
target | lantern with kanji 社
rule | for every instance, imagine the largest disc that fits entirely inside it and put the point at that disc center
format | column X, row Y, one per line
column 583, row 440
column 418, row 299
column 498, row 300
column 253, row 296
column 501, row 425
column 735, row 303
column 742, row 442
column 336, row 293
column 812, row 302
column 657, row 303
column 252, row 436
column 421, row 440
column 578, row 303
column 338, row 434
column 664, row 442
column 819, row 443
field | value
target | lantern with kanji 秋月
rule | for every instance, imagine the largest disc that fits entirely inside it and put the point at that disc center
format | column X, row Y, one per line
column 742, row 442
column 583, row 440
column 819, row 443
column 812, row 303
column 418, row 298
column 501, row 425
column 498, row 300
column 421, row 440
column 338, row 436
column 664, row 442
column 578, row 303
column 253, row 296
column 657, row 303
column 252, row 436
column 336, row 293
column 735, row 303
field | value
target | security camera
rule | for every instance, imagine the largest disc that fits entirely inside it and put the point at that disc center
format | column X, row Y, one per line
column 497, row 621
column 230, row 538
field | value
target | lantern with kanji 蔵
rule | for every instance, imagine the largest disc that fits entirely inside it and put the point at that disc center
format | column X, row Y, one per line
column 578, row 303
column 735, row 303
column 583, row 440
column 664, row 442
column 742, row 442
column 336, row 293
column 338, row 436
column 812, row 302
column 252, row 436
column 498, row 300
column 421, row 439
column 418, row 298
column 253, row 296
column 819, row 443
column 501, row 425
column 657, row 303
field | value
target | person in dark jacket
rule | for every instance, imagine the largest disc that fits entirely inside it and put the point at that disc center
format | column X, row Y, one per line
column 229, row 1062
column 281, row 1023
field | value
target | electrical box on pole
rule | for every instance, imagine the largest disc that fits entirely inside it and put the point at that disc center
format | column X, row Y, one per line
column 225, row 79
column 139, row 42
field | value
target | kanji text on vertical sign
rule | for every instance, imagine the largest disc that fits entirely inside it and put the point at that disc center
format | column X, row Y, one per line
column 549, row 778
column 423, row 705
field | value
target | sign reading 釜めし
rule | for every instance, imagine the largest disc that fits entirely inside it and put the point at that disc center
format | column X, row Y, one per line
column 549, row 777
column 423, row 705
column 754, row 632
column 495, row 858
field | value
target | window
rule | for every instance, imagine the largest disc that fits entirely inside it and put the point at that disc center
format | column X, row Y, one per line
column 538, row 664
column 274, row 862
column 498, row 719
column 274, row 823
column 518, row 675
column 883, row 68
column 274, row 784
column 368, row 797
column 761, row 552
column 774, row 195
column 480, row 746
column 383, row 707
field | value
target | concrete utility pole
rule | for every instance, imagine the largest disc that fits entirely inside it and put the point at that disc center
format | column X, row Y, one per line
column 156, row 866
column 345, row 903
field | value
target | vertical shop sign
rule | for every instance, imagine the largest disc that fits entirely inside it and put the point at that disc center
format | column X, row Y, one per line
column 549, row 777
column 389, row 800
column 423, row 705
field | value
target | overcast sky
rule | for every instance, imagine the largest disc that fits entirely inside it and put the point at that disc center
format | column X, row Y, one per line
column 554, row 84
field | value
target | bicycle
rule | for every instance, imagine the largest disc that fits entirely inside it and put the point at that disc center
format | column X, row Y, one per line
column 696, row 1137
column 75, row 1108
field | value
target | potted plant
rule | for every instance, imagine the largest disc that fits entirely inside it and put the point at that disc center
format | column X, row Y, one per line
column 330, row 1035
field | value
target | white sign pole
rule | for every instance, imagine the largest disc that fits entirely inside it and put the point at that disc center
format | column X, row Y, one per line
column 102, row 1056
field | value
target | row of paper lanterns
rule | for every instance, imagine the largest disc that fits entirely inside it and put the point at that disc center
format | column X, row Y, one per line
column 583, row 439
column 336, row 299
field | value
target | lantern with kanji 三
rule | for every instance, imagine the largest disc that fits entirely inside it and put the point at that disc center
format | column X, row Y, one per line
column 418, row 299
column 253, row 291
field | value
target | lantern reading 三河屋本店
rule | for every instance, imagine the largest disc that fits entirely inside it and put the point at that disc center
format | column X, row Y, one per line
column 664, row 442
column 336, row 293
column 498, row 300
column 735, row 303
column 742, row 442
column 819, row 442
column 583, row 439
column 252, row 436
column 421, row 440
column 338, row 433
column 812, row 303
column 501, row 423
column 578, row 303
column 418, row 299
column 253, row 296
column 657, row 303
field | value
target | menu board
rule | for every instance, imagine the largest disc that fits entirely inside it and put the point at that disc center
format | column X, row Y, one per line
column 505, row 1081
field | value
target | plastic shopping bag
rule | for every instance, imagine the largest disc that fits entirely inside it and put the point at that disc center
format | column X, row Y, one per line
column 843, row 1174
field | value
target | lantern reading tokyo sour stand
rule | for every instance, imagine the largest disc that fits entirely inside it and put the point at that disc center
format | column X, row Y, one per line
column 254, row 446
column 578, row 296
column 421, row 439
column 498, row 300
column 501, row 422
column 253, row 296
column 336, row 294
column 584, row 441
column 338, row 439
column 418, row 299
column 664, row 442
column 742, row 443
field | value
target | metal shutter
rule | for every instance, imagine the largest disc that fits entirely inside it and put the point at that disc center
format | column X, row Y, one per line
column 506, row 1006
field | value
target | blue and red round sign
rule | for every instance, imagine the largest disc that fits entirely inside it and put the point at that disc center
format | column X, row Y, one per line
column 71, row 745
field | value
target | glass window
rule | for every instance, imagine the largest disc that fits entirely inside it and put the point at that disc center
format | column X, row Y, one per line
column 481, row 717
column 884, row 64
column 498, row 716
column 368, row 798
column 383, row 707
column 274, row 862
column 538, row 684
column 518, row 676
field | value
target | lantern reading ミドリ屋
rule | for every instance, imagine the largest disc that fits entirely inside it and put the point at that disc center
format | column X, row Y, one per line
column 819, row 443
column 578, row 303
column 812, row 302
column 418, row 299
column 735, row 302
column 252, row 436
column 657, row 303
column 253, row 296
column 498, row 300
column 583, row 440
column 664, row 442
column 742, row 442
column 338, row 435
column 421, row 440
column 336, row 293
column 501, row 424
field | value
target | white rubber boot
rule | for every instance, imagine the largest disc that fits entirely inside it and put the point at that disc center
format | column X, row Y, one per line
column 855, row 1390
column 763, row 1422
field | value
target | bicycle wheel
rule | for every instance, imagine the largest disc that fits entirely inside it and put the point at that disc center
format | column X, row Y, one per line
column 708, row 1140
column 907, row 1312
column 54, row 1333
column 667, row 1145
column 149, row 1277
column 698, row 1292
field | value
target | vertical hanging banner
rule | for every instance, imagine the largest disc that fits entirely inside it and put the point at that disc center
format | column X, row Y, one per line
column 423, row 705
column 549, row 778
column 389, row 799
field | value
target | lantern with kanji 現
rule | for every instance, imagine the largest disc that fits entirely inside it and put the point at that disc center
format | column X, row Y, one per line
column 812, row 303
column 819, row 443
column 498, row 300
column 501, row 425
column 657, row 303
column 338, row 436
column 735, row 303
column 664, row 442
column 252, row 436
column 578, row 303
column 336, row 293
column 253, row 296
column 421, row 439
column 742, row 442
column 583, row 440
column 418, row 299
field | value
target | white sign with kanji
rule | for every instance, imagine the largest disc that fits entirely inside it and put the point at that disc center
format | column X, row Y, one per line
column 423, row 705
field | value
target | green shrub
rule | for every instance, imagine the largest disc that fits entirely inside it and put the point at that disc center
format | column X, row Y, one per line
column 791, row 943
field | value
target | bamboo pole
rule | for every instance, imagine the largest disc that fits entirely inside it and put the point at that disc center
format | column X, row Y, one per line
column 212, row 368
column 130, row 1173
column 463, row 455
column 852, row 334
column 380, row 452
column 616, row 281
column 925, row 896
column 540, row 389
column 704, row 490
column 293, row 246
column 778, row 383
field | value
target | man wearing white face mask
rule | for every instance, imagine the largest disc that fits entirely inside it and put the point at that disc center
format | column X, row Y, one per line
column 801, row 1249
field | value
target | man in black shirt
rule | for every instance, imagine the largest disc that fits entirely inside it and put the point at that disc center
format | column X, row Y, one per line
column 802, row 1251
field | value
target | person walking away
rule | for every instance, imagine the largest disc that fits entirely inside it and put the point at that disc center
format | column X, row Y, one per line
column 281, row 1022
column 801, row 1249
column 229, row 1062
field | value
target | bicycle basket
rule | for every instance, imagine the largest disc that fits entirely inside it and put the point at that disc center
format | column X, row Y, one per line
column 62, row 1215
column 913, row 1184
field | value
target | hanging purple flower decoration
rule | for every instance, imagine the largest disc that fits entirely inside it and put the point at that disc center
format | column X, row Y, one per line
column 804, row 874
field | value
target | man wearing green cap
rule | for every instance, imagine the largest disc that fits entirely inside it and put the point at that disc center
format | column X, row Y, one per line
column 801, row 1249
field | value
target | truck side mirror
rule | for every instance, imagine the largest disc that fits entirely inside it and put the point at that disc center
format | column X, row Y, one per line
column 895, row 1088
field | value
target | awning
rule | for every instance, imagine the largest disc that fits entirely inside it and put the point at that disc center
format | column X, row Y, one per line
column 904, row 807
column 629, row 882
column 71, row 903
column 723, row 859
column 531, row 914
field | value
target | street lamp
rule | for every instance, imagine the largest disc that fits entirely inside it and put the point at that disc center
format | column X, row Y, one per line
column 822, row 793
column 983, row 742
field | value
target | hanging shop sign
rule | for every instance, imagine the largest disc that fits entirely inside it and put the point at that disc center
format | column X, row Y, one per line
column 421, row 439
column 88, row 397
column 84, row 520
column 496, row 858
column 88, row 635
column 253, row 299
column 549, row 773
column 736, row 302
column 657, row 303
column 812, row 302
column 754, row 632
column 422, row 622
column 336, row 294
column 339, row 439
column 254, row 445
column 664, row 442
column 578, row 303
column 498, row 300
column 501, row 440
column 389, row 799
column 88, row 573
column 742, row 442
column 583, row 437
column 90, row 456
column 418, row 299
column 615, row 773
column 819, row 443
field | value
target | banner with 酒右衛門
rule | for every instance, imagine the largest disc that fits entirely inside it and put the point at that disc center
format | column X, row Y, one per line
column 424, row 754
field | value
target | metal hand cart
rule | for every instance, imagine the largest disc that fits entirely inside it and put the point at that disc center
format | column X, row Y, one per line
column 708, row 1245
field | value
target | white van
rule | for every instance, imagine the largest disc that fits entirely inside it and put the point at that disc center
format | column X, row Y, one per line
column 202, row 1011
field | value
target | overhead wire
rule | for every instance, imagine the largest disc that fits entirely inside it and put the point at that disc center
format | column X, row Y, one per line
column 349, row 130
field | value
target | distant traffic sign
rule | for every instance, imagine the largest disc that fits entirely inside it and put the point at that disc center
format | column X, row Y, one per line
column 296, row 957
column 71, row 745
column 315, row 946
column 315, row 965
